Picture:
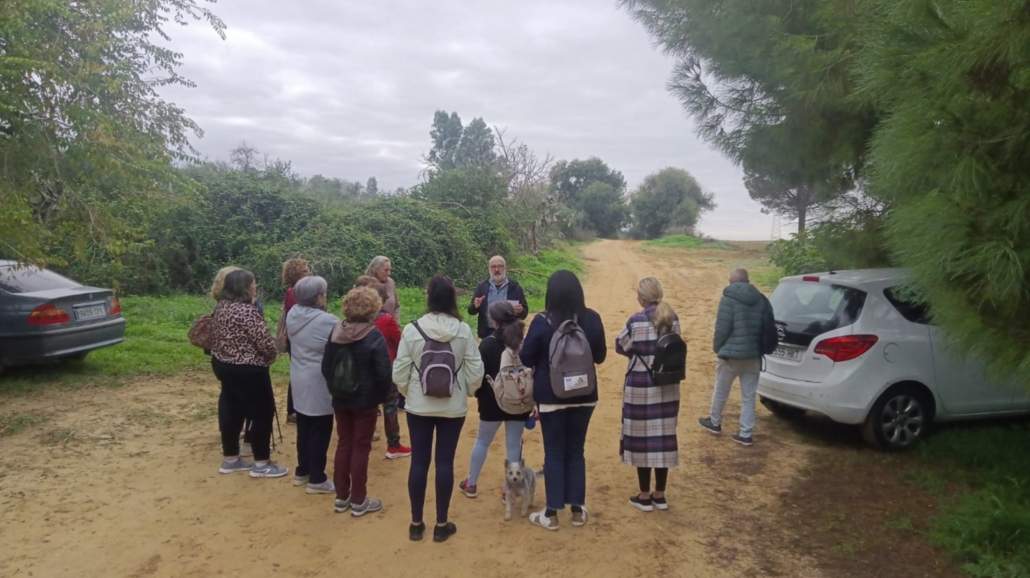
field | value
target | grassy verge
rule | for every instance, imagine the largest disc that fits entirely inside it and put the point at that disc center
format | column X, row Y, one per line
column 155, row 335
column 686, row 242
column 982, row 475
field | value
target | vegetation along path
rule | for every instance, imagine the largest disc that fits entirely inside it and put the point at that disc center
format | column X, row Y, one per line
column 123, row 482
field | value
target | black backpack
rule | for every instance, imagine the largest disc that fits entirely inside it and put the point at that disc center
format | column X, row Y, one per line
column 670, row 360
column 343, row 383
column 770, row 336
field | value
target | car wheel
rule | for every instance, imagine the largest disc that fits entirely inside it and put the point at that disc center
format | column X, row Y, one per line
column 781, row 410
column 898, row 419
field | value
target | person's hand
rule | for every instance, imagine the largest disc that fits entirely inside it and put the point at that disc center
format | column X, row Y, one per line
column 478, row 301
column 518, row 308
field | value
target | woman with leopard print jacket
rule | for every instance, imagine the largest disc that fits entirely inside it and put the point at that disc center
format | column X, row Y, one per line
column 242, row 349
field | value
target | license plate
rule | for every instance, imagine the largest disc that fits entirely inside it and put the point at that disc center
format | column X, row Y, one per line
column 788, row 353
column 90, row 312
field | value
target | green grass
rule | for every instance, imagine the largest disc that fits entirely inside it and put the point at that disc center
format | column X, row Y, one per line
column 986, row 523
column 156, row 345
column 766, row 277
column 686, row 242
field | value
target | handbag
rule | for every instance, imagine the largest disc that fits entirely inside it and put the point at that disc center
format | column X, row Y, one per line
column 200, row 332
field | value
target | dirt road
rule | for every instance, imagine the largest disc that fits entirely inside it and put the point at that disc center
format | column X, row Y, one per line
column 123, row 482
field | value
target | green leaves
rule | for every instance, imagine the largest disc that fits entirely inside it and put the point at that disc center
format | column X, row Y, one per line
column 669, row 199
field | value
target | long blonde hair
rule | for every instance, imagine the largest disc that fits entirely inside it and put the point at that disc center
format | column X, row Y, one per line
column 219, row 283
column 649, row 292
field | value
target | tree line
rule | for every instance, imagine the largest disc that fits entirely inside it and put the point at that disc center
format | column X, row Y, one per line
column 894, row 133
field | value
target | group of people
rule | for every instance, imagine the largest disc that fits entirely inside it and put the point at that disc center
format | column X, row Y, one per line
column 352, row 368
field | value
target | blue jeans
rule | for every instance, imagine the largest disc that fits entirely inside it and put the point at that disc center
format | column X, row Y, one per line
column 487, row 430
column 565, row 468
column 726, row 370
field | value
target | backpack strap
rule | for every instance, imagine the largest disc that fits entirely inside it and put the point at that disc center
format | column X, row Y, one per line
column 420, row 332
column 637, row 357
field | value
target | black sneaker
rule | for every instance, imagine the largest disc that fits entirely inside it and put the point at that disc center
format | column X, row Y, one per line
column 416, row 531
column 441, row 533
column 660, row 503
column 706, row 422
column 744, row 441
column 645, row 505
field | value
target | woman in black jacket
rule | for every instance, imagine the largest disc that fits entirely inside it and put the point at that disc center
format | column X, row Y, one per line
column 506, row 335
column 563, row 421
column 357, row 337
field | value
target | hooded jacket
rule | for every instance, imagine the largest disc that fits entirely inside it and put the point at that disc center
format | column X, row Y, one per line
column 738, row 325
column 371, row 363
column 444, row 328
column 308, row 329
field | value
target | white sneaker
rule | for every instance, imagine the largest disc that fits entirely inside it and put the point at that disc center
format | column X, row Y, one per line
column 541, row 519
column 325, row 487
column 300, row 481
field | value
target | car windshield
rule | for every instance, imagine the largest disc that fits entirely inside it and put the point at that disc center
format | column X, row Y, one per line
column 28, row 279
column 809, row 309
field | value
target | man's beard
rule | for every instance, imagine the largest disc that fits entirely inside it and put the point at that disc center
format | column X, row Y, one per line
column 498, row 279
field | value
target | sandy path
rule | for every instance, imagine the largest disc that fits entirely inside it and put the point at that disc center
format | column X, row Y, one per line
column 123, row 482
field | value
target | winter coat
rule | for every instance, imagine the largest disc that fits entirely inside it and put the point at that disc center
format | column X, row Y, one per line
column 308, row 329
column 491, row 350
column 536, row 350
column 738, row 325
column 515, row 293
column 444, row 328
column 387, row 325
column 239, row 335
column 371, row 363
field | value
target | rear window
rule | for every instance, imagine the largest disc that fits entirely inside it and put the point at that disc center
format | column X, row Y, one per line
column 29, row 279
column 809, row 309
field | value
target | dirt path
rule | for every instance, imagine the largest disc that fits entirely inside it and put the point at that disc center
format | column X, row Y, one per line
column 123, row 482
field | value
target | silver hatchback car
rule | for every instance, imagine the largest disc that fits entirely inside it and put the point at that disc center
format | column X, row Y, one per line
column 44, row 315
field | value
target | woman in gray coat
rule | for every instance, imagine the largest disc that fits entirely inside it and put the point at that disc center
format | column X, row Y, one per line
column 309, row 326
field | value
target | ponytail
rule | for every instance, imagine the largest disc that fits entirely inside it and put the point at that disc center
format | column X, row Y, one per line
column 664, row 317
column 649, row 291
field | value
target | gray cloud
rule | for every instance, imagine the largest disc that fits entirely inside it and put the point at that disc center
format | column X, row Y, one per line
column 348, row 89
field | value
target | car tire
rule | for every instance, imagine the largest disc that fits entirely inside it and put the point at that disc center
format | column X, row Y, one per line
column 781, row 410
column 898, row 419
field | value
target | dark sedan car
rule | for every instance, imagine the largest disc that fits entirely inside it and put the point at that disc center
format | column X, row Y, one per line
column 44, row 315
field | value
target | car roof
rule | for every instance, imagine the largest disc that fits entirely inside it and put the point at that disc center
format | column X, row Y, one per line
column 858, row 277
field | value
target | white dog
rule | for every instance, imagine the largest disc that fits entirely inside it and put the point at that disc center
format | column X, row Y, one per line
column 519, row 484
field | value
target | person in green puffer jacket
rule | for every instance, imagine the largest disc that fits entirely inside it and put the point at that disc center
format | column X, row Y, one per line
column 737, row 343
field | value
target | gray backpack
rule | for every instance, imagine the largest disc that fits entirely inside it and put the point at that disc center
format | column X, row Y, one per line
column 438, row 368
column 572, row 362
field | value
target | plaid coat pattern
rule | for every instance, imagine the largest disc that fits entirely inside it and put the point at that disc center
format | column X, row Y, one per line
column 649, row 412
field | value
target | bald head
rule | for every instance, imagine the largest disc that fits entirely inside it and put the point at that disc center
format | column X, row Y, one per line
column 739, row 276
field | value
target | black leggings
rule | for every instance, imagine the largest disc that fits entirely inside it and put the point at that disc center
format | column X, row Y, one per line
column 420, row 429
column 246, row 394
column 661, row 475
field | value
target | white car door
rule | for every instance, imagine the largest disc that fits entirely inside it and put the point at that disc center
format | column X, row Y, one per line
column 962, row 384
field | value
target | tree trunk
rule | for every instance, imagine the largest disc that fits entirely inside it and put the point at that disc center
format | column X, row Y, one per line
column 802, row 214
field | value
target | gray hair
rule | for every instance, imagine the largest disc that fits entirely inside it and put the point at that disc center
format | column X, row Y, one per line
column 739, row 276
column 376, row 264
column 497, row 258
column 309, row 289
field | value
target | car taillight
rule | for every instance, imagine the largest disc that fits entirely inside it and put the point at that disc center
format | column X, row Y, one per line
column 116, row 307
column 810, row 278
column 48, row 314
column 845, row 347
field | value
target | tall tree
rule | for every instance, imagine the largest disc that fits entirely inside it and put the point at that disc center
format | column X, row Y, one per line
column 953, row 156
column 569, row 178
column 372, row 187
column 604, row 208
column 82, row 125
column 670, row 198
column 446, row 136
column 745, row 70
column 476, row 149
column 570, row 181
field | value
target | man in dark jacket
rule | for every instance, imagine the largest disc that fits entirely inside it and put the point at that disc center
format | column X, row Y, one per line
column 497, row 288
column 738, row 337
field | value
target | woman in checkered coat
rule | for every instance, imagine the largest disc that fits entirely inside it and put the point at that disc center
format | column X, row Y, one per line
column 649, row 411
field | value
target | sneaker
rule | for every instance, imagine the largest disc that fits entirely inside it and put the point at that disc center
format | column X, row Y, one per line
column 660, row 503
column 300, row 480
column 580, row 518
column 468, row 489
column 441, row 533
column 706, row 422
column 341, row 506
column 237, row 465
column 645, row 505
column 246, row 450
column 543, row 520
column 269, row 470
column 370, row 505
column 416, row 532
column 744, row 441
column 398, row 451
column 325, row 487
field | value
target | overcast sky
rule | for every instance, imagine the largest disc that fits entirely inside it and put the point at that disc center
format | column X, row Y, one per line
column 348, row 89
